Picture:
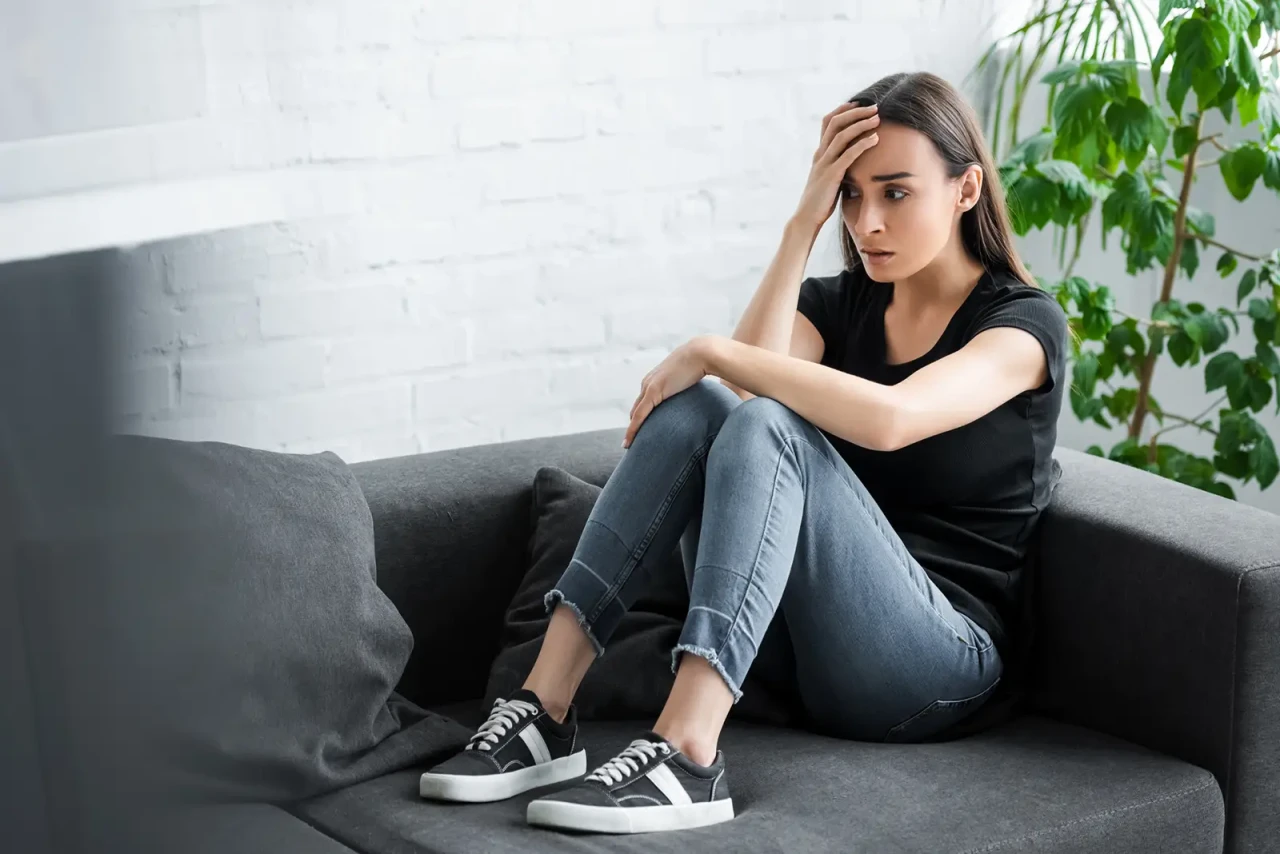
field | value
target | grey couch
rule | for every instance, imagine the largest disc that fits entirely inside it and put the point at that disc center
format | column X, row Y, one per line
column 1152, row 721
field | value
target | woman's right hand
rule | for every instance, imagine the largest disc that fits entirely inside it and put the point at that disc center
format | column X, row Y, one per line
column 835, row 154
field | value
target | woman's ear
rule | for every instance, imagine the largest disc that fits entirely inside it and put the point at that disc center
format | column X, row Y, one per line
column 970, row 186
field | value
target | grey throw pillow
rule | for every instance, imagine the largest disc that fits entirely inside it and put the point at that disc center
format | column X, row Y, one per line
column 231, row 639
column 633, row 677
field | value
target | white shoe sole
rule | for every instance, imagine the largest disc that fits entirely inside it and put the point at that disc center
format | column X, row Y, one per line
column 483, row 788
column 566, row 816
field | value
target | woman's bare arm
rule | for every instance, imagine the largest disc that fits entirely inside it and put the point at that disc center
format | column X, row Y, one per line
column 770, row 320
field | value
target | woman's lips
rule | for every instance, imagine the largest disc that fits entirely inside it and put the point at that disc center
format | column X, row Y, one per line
column 877, row 257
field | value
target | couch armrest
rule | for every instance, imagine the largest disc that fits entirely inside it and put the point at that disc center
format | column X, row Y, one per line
column 1158, row 621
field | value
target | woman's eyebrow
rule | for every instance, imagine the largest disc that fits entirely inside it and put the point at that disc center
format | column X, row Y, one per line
column 894, row 177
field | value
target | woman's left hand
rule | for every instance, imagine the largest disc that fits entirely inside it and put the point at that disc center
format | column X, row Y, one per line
column 686, row 365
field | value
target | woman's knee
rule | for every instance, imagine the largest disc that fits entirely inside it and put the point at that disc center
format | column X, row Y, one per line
column 697, row 412
column 757, row 419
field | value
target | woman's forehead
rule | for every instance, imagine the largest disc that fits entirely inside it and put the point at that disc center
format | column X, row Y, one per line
column 898, row 150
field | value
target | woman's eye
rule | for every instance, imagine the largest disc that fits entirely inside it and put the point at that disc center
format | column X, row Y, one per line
column 848, row 191
column 895, row 195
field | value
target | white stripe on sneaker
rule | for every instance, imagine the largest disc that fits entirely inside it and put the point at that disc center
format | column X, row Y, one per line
column 667, row 783
column 537, row 746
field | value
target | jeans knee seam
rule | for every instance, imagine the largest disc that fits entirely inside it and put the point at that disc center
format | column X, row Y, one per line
column 755, row 563
column 637, row 554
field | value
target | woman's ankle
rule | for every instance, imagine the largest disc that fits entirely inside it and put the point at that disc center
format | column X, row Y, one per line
column 700, row 748
column 555, row 703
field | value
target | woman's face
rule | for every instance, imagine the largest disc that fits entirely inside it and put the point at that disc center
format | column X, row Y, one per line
column 899, row 204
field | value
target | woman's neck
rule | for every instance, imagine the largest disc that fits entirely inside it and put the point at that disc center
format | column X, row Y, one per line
column 944, row 282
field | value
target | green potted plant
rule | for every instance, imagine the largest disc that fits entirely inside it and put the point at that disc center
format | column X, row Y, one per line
column 1129, row 89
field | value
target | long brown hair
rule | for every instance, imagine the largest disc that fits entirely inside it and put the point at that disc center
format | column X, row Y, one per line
column 930, row 105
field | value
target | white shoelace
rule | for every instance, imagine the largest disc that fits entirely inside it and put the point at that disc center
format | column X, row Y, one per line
column 628, row 761
column 505, row 715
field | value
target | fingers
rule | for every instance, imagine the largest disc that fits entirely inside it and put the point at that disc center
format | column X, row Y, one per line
column 645, row 404
column 854, row 151
column 840, row 143
column 639, row 412
column 840, row 118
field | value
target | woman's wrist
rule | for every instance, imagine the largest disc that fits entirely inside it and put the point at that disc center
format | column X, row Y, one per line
column 798, row 228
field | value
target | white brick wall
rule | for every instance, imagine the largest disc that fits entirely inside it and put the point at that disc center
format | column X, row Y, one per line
column 549, row 196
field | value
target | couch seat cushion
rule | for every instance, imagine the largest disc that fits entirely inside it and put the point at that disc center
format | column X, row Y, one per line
column 1033, row 784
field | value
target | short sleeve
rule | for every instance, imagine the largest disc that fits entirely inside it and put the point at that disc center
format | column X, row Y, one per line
column 1033, row 310
column 819, row 301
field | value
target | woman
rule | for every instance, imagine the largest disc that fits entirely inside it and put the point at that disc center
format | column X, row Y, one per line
column 863, row 478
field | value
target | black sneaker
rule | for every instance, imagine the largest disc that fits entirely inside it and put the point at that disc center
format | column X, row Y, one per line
column 519, row 748
column 649, row 786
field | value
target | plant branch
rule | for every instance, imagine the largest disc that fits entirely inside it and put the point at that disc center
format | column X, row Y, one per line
column 1209, row 240
column 1212, row 139
column 1190, row 422
column 1170, row 271
column 1142, row 320
column 1080, row 229
column 1269, row 54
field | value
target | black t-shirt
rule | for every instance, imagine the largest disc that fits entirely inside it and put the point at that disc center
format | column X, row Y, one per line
column 965, row 502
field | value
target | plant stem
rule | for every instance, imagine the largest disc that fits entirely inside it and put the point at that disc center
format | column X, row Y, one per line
column 1144, row 321
column 1170, row 271
column 1269, row 54
column 1223, row 247
column 1075, row 256
column 1190, row 422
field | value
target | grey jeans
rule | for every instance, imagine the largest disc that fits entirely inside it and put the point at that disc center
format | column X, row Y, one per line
column 777, row 531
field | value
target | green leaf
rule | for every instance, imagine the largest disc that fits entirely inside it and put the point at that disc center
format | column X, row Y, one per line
column 1271, row 171
column 1157, row 130
column 1031, row 150
column 1084, row 373
column 1202, row 43
column 1122, row 403
column 1201, row 221
column 1189, row 260
column 1032, row 203
column 1130, row 124
column 1245, row 63
column 1258, row 392
column 1167, row 6
column 1269, row 112
column 1076, row 111
column 1268, row 359
column 1208, row 83
column 1062, row 73
column 1184, row 139
column 1237, row 14
column 1226, row 264
column 1179, row 84
column 1095, row 450
column 1114, row 76
column 1264, row 462
column 1248, row 282
column 1182, row 348
column 1247, row 101
column 1241, row 167
column 1067, row 175
column 1223, row 371
column 1261, row 309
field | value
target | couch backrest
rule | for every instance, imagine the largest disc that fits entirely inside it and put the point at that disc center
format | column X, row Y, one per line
column 452, row 533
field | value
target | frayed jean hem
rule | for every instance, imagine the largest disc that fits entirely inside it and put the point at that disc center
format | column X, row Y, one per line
column 710, row 656
column 556, row 597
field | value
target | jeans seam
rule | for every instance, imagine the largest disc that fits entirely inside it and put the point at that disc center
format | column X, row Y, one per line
column 755, row 563
column 638, row 553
